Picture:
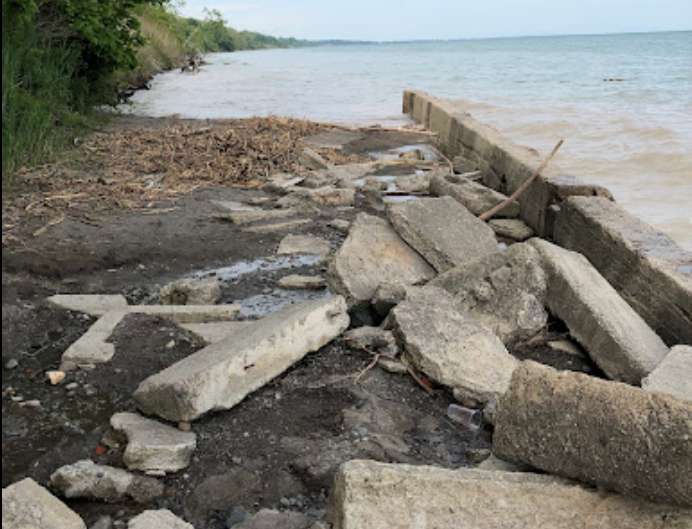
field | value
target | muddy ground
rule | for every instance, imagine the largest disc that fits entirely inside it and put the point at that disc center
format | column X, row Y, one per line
column 278, row 448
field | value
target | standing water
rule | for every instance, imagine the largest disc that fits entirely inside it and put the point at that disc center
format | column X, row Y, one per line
column 623, row 103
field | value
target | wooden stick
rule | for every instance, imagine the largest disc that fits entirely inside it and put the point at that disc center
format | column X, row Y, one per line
column 523, row 187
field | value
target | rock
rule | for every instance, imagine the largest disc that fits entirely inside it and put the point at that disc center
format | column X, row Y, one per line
column 442, row 231
column 27, row 505
column 191, row 292
column 505, row 291
column 270, row 519
column 55, row 377
column 673, row 375
column 232, row 205
column 474, row 196
column 496, row 464
column 373, row 254
column 281, row 183
column 613, row 334
column 277, row 226
column 87, row 480
column 103, row 522
column 92, row 304
column 312, row 160
column 463, row 165
column 340, row 225
column 329, row 196
column 387, row 296
column 216, row 331
column 309, row 244
column 514, row 229
column 242, row 218
column 392, row 366
column 12, row 363
column 650, row 271
column 223, row 374
column 373, row 340
column 413, row 184
column 603, row 433
column 450, row 347
column 161, row 519
column 370, row 495
column 152, row 445
column 299, row 282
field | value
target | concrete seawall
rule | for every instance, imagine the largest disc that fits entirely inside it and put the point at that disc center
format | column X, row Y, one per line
column 650, row 271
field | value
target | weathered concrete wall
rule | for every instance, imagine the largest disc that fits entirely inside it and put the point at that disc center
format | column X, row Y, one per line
column 650, row 271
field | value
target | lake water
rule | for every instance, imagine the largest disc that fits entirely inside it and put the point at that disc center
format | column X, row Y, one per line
column 632, row 134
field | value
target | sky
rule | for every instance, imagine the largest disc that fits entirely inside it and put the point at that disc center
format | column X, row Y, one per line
column 445, row 19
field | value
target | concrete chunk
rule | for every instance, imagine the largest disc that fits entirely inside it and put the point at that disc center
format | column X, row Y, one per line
column 614, row 335
column 373, row 254
column 223, row 374
column 505, row 291
column 300, row 282
column 242, row 218
column 442, row 231
column 674, row 375
column 370, row 495
column 514, row 229
column 603, row 433
column 191, row 291
column 303, row 244
column 476, row 197
column 649, row 270
column 216, row 331
column 152, row 446
column 85, row 479
column 92, row 304
column 161, row 519
column 450, row 347
column 27, row 505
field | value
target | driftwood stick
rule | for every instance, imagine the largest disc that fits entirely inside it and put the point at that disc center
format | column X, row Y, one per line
column 523, row 187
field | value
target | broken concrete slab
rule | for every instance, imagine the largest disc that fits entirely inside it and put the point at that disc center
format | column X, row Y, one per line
column 87, row 480
column 281, row 183
column 304, row 244
column 312, row 160
column 374, row 340
column 371, row 495
column 28, row 505
column 505, row 291
column 417, row 184
column 152, row 446
column 476, row 197
column 160, row 519
column 277, row 226
column 451, row 347
column 328, row 195
column 232, row 205
column 373, row 254
column 443, row 231
column 216, row 331
column 649, row 270
column 92, row 304
column 514, row 229
column 93, row 346
column 223, row 374
column 241, row 218
column 300, row 282
column 673, row 375
column 597, row 431
column 614, row 335
column 191, row 291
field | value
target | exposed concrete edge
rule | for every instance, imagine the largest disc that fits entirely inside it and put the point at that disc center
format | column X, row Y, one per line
column 640, row 262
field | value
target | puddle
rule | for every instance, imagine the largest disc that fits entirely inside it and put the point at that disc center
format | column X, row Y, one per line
column 430, row 154
column 266, row 264
column 264, row 304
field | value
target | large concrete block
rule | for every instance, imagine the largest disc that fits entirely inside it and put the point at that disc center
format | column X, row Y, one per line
column 371, row 495
column 604, row 433
column 451, row 347
column 614, row 335
column 224, row 373
column 505, row 291
column 674, row 375
column 442, row 230
column 92, row 304
column 27, row 505
column 373, row 254
column 476, row 197
column 649, row 270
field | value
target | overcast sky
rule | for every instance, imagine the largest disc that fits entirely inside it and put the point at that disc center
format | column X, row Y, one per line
column 446, row 19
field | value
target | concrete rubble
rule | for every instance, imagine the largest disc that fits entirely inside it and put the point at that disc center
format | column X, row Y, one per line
column 600, row 432
column 476, row 197
column 614, row 335
column 272, row 519
column 28, row 505
column 373, row 254
column 673, row 375
column 161, row 519
column 153, row 446
column 505, row 291
column 92, row 304
column 191, row 291
column 372, row 495
column 308, row 244
column 514, row 229
column 452, row 347
column 443, row 231
column 301, row 282
column 223, row 374
column 87, row 480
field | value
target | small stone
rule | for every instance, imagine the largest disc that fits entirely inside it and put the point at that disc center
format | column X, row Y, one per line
column 340, row 225
column 104, row 522
column 28, row 505
column 34, row 403
column 12, row 363
column 300, row 282
column 373, row 340
column 392, row 366
column 466, row 417
column 71, row 386
column 191, row 292
column 184, row 426
column 514, row 229
column 170, row 345
column 89, row 390
column 477, row 455
column 55, row 377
